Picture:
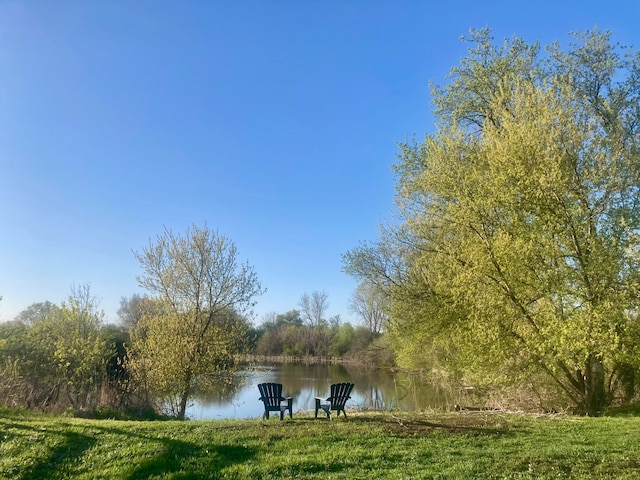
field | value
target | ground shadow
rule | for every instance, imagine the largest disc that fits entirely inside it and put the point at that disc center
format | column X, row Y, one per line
column 180, row 457
column 623, row 411
column 71, row 446
column 174, row 456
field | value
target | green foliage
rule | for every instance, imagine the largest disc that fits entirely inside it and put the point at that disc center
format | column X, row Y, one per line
column 290, row 318
column 193, row 327
column 75, row 343
column 379, row 351
column 56, row 356
column 520, row 224
column 171, row 361
column 343, row 340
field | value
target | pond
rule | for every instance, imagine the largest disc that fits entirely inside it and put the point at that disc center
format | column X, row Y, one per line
column 375, row 389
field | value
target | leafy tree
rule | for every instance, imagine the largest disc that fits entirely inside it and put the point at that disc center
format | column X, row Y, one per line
column 12, row 351
column 27, row 372
column 275, row 322
column 343, row 340
column 73, row 339
column 195, row 326
column 56, row 356
column 63, row 354
column 130, row 311
column 35, row 313
column 275, row 332
column 520, row 215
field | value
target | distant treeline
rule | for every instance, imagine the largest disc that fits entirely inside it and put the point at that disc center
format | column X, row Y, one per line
column 286, row 335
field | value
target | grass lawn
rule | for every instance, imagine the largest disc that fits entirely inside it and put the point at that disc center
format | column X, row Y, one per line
column 364, row 446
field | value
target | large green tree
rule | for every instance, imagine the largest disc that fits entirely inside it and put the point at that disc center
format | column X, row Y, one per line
column 518, row 243
column 192, row 325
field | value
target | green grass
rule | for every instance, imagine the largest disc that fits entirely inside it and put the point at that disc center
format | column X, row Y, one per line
column 364, row 446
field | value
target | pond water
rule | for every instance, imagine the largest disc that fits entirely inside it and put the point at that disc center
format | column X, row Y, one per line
column 375, row 389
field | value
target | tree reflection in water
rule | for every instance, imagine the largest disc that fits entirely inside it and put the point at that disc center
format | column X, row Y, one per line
column 375, row 389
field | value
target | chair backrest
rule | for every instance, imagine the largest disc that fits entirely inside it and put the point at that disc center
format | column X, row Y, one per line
column 270, row 393
column 340, row 393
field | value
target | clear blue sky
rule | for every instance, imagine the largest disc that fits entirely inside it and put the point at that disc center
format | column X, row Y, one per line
column 273, row 121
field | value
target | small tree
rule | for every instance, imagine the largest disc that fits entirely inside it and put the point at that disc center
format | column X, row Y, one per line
column 193, row 329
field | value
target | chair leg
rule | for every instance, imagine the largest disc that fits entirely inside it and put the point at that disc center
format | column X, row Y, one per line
column 327, row 410
column 317, row 406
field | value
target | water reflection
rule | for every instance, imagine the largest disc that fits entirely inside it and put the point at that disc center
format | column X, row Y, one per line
column 377, row 389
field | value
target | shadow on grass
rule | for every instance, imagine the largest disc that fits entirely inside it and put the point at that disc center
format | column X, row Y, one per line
column 65, row 449
column 187, row 459
column 624, row 411
column 71, row 446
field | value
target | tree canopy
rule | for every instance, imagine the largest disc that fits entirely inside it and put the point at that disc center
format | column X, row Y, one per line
column 193, row 324
column 55, row 357
column 516, row 254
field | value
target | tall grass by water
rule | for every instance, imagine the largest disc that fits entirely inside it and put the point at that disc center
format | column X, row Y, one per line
column 363, row 446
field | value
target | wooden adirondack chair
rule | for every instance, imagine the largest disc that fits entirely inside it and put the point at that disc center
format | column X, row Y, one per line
column 271, row 396
column 340, row 393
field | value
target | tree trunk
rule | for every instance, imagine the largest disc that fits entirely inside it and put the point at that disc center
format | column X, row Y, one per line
column 184, row 396
column 594, row 398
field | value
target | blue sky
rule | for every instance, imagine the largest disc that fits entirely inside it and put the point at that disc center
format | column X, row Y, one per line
column 275, row 122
